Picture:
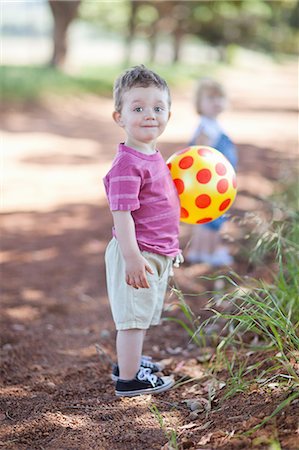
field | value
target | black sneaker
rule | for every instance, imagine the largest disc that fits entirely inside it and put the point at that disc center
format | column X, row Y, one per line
column 145, row 362
column 145, row 382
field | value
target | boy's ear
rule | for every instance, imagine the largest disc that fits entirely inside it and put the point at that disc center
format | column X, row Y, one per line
column 169, row 115
column 117, row 118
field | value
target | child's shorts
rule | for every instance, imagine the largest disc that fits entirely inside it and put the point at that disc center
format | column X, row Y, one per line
column 135, row 308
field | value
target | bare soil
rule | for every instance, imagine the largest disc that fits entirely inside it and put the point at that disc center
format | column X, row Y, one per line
column 57, row 334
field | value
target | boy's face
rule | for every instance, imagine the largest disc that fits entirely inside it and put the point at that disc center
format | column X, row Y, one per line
column 212, row 104
column 144, row 114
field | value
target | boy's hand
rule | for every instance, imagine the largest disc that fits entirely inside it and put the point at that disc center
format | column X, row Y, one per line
column 136, row 264
column 136, row 269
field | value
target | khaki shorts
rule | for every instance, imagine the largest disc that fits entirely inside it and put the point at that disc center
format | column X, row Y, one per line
column 135, row 308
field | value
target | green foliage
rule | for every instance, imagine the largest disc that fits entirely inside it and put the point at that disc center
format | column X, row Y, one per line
column 258, row 24
column 190, row 324
column 269, row 311
column 27, row 83
column 259, row 341
column 108, row 16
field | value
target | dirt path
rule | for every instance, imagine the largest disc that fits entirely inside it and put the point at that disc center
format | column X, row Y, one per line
column 56, row 391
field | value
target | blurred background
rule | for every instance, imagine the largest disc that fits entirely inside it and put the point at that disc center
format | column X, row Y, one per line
column 57, row 53
column 78, row 33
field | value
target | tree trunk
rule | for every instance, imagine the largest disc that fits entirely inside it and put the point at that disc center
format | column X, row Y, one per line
column 130, row 33
column 63, row 14
column 153, row 42
column 177, row 41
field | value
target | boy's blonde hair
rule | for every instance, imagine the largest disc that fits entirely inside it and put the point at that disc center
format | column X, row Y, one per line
column 138, row 76
column 210, row 86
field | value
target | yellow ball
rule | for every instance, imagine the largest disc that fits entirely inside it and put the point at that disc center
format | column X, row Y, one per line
column 205, row 181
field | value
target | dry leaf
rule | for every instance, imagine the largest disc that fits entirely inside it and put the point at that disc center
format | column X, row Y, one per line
column 205, row 439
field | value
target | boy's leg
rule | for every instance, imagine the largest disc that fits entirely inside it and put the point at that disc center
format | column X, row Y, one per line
column 129, row 345
column 134, row 380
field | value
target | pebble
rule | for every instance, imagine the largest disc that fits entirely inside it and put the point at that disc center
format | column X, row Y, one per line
column 197, row 406
column 18, row 327
column 105, row 334
column 50, row 385
column 7, row 347
column 193, row 415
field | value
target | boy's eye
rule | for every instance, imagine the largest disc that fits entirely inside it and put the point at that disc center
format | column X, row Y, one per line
column 138, row 109
column 158, row 109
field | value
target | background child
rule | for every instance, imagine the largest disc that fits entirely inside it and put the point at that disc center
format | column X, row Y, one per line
column 146, row 211
column 206, row 245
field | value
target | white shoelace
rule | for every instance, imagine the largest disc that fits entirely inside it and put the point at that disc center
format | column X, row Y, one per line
column 179, row 259
column 147, row 375
column 147, row 364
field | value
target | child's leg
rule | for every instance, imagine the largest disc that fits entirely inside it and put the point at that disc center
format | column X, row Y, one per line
column 202, row 241
column 216, row 241
column 129, row 345
column 221, row 255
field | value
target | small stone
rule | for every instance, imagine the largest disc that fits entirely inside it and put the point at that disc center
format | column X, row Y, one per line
column 7, row 347
column 50, row 385
column 190, row 401
column 105, row 334
column 174, row 351
column 18, row 327
column 197, row 406
column 204, row 357
column 193, row 415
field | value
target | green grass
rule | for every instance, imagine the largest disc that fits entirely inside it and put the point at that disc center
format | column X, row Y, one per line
column 170, row 434
column 259, row 342
column 268, row 311
column 29, row 83
column 32, row 83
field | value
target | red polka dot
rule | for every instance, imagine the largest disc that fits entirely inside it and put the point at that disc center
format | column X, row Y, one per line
column 222, row 186
column 234, row 181
column 169, row 166
column 220, row 169
column 204, row 152
column 224, row 204
column 204, row 176
column 205, row 220
column 186, row 162
column 179, row 184
column 184, row 213
column 203, row 201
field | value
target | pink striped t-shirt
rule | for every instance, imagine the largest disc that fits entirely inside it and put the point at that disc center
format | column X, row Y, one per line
column 142, row 184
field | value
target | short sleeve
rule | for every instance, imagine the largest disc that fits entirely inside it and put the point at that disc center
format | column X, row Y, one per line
column 122, row 185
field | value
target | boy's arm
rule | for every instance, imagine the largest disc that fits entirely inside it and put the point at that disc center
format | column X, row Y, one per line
column 136, row 264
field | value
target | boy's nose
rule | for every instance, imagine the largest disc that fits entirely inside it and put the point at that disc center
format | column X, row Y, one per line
column 149, row 113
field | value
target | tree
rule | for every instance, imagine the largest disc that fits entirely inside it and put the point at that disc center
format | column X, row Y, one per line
column 63, row 13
